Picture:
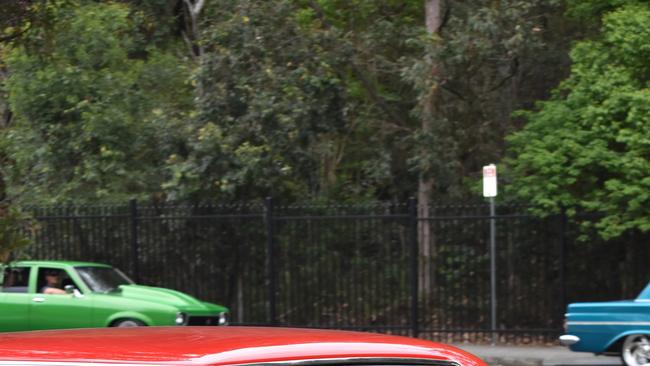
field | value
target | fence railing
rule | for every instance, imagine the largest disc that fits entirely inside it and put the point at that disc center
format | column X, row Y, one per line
column 357, row 267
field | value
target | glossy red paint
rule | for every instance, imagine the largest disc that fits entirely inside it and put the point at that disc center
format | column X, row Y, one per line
column 217, row 346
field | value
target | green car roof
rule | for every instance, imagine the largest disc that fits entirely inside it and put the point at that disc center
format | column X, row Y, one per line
column 65, row 263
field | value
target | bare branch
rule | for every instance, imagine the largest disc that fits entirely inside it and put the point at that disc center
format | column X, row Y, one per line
column 452, row 91
column 512, row 74
column 194, row 8
column 188, row 42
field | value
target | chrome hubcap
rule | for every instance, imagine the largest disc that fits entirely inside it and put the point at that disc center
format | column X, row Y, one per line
column 636, row 350
column 127, row 324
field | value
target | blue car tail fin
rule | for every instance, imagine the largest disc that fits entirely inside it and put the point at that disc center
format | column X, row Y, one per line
column 645, row 294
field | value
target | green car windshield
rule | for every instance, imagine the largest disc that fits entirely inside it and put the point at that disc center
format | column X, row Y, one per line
column 103, row 279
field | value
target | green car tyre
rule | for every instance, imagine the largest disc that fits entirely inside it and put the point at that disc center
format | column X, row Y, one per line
column 127, row 323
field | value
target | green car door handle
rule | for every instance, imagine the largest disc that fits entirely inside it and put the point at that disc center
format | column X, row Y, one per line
column 38, row 299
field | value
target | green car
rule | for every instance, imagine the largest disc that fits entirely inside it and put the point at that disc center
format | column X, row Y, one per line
column 57, row 294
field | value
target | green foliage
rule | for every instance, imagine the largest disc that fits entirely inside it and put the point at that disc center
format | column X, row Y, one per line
column 593, row 10
column 480, row 57
column 321, row 98
column 89, row 108
column 15, row 227
column 588, row 147
column 292, row 98
column 275, row 113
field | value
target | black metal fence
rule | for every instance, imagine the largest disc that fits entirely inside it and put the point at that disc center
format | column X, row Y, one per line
column 357, row 267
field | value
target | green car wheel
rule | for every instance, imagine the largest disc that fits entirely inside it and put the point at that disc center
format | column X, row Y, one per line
column 128, row 323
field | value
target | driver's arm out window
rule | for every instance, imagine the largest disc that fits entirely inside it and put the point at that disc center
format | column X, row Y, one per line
column 61, row 278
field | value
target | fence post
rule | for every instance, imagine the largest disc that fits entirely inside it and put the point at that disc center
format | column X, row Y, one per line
column 270, row 262
column 414, row 256
column 563, row 235
column 493, row 272
column 135, row 245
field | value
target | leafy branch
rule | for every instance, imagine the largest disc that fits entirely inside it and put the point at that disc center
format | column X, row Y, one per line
column 16, row 228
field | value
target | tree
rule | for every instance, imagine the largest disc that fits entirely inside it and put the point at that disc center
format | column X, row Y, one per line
column 16, row 18
column 351, row 91
column 15, row 227
column 94, row 110
column 587, row 148
column 267, row 93
column 475, row 55
column 430, row 102
column 325, row 99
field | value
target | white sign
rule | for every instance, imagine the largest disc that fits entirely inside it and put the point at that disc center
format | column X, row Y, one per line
column 490, row 180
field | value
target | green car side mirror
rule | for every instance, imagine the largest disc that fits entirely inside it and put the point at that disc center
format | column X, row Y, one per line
column 70, row 289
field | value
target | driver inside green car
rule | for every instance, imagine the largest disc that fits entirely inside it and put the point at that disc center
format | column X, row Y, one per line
column 53, row 283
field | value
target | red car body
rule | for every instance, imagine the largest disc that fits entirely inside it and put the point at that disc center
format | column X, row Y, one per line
column 223, row 346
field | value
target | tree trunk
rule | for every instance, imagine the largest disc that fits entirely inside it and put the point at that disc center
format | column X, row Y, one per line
column 433, row 11
column 192, row 33
column 5, row 121
column 433, row 20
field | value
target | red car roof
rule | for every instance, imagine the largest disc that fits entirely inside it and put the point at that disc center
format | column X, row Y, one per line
column 217, row 346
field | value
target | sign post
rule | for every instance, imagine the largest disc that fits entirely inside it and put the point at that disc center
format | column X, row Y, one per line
column 490, row 191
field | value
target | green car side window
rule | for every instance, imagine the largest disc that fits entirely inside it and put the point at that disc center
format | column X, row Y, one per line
column 103, row 279
column 15, row 279
column 54, row 278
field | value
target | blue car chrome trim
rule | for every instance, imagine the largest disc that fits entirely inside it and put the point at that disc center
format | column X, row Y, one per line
column 609, row 323
column 568, row 339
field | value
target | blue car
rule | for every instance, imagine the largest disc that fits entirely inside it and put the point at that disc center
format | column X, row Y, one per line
column 612, row 328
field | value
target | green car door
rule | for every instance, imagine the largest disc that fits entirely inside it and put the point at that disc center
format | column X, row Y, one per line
column 58, row 311
column 14, row 299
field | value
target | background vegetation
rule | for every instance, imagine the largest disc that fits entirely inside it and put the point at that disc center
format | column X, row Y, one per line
column 346, row 100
